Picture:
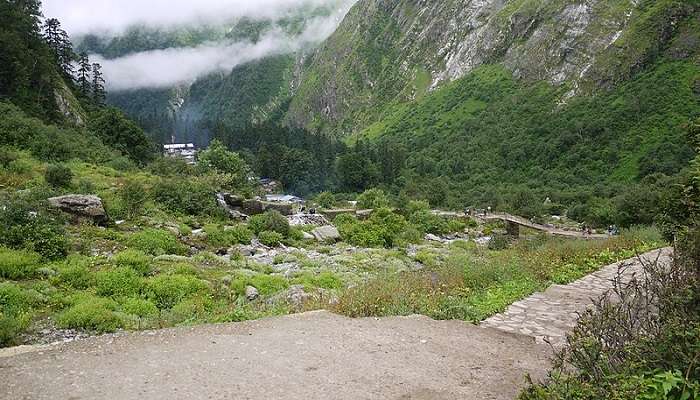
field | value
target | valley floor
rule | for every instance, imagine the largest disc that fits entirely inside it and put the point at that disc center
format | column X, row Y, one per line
column 315, row 355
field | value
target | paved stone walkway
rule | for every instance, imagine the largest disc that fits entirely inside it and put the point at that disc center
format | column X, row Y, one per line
column 548, row 316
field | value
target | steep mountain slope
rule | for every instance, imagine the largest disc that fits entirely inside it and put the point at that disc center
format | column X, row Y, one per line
column 245, row 95
column 395, row 51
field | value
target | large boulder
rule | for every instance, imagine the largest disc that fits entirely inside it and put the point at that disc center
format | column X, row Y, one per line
column 326, row 233
column 81, row 207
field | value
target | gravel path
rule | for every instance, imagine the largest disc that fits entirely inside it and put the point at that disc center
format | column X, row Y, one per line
column 548, row 316
column 315, row 355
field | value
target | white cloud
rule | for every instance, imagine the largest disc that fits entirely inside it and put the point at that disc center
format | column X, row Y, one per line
column 80, row 17
column 169, row 67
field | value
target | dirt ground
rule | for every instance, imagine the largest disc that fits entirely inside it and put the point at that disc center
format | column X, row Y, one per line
column 315, row 355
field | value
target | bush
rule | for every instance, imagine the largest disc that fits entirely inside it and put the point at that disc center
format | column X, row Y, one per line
column 271, row 239
column 58, row 176
column 139, row 307
column 133, row 196
column 13, row 300
column 167, row 290
column 15, row 306
column 324, row 280
column 134, row 259
column 373, row 199
column 18, row 264
column 499, row 242
column 384, row 228
column 429, row 222
column 216, row 158
column 92, row 314
column 189, row 197
column 269, row 221
column 325, row 200
column 229, row 236
column 75, row 275
column 25, row 227
column 192, row 309
column 120, row 282
column 156, row 242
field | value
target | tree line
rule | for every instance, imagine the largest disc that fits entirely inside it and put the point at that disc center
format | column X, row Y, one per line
column 88, row 77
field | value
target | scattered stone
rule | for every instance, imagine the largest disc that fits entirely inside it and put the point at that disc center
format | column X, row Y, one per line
column 120, row 222
column 198, row 232
column 46, row 271
column 286, row 269
column 296, row 296
column 308, row 236
column 81, row 207
column 483, row 241
column 226, row 280
column 433, row 238
column 251, row 293
column 326, row 233
column 308, row 219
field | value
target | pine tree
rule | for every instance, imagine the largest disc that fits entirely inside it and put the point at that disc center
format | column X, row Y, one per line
column 66, row 55
column 98, row 85
column 52, row 28
column 58, row 41
column 84, row 69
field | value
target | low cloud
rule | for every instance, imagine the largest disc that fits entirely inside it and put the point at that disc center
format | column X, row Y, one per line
column 170, row 67
column 81, row 17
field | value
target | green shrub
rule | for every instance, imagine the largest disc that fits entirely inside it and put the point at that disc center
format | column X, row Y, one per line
column 74, row 273
column 325, row 200
column 373, row 199
column 11, row 327
column 269, row 221
column 269, row 284
column 167, row 290
column 92, row 314
column 499, row 242
column 139, row 307
column 156, row 242
column 120, row 282
column 429, row 222
column 58, row 176
column 384, row 228
column 229, row 236
column 325, row 280
column 192, row 309
column 15, row 307
column 271, row 239
column 25, row 226
column 18, row 264
column 133, row 196
column 134, row 259
column 14, row 300
column 189, row 197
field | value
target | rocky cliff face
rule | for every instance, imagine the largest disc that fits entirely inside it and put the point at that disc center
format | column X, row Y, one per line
column 389, row 51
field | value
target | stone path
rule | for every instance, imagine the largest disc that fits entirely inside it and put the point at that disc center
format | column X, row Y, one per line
column 548, row 316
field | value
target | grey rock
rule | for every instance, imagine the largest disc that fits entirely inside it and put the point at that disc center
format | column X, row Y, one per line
column 308, row 236
column 251, row 293
column 326, row 233
column 81, row 207
column 286, row 269
column 296, row 296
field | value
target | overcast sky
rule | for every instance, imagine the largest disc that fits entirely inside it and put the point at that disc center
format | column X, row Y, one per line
column 170, row 67
column 88, row 16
